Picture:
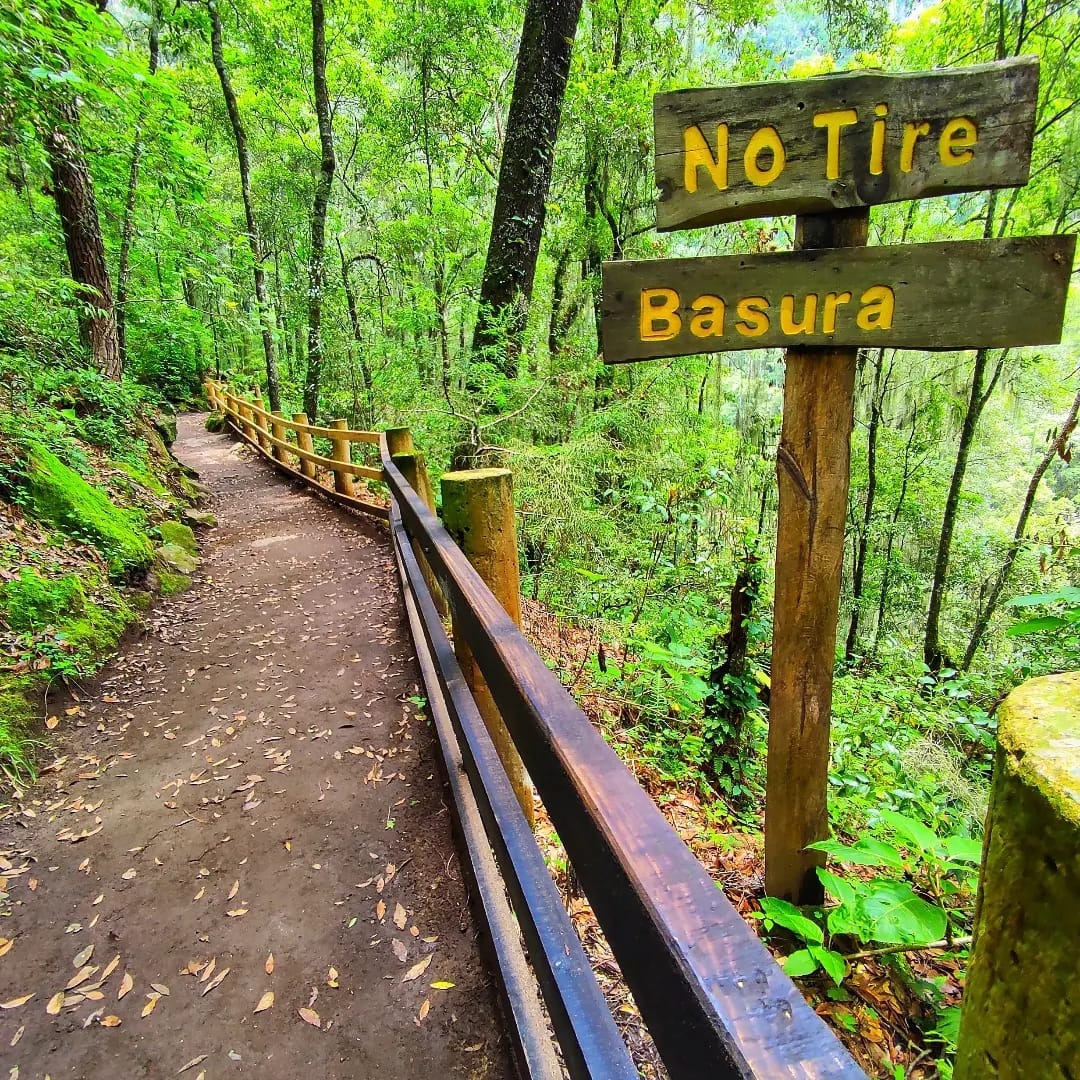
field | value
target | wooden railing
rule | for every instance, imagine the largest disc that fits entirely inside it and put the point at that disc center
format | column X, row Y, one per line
column 713, row 998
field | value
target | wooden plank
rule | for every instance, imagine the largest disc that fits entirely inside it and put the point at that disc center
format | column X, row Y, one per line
column 813, row 145
column 715, row 1001
column 813, row 463
column 961, row 294
column 590, row 1041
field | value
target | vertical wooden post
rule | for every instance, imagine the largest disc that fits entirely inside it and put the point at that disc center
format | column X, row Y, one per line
column 414, row 468
column 813, row 472
column 303, row 441
column 478, row 508
column 209, row 387
column 277, row 429
column 399, row 440
column 244, row 413
column 343, row 481
column 260, row 421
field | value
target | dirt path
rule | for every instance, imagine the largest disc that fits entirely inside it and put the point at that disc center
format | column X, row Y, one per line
column 249, row 778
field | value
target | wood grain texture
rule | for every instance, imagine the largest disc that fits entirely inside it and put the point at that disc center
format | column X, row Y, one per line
column 1000, row 98
column 716, row 1002
column 960, row 294
column 813, row 465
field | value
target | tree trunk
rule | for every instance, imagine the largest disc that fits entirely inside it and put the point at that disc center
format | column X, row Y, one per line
column 317, row 270
column 273, row 385
column 524, row 176
column 1059, row 443
column 127, row 232
column 73, row 191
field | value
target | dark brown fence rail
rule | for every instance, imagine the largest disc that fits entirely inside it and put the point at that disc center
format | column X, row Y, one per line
column 715, row 1001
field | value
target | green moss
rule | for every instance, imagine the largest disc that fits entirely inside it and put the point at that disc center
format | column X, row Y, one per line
column 16, row 718
column 31, row 602
column 177, row 558
column 173, row 532
column 140, row 600
column 143, row 478
column 215, row 422
column 173, row 583
column 60, row 497
column 96, row 634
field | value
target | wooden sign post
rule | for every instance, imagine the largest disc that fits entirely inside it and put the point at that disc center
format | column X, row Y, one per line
column 826, row 149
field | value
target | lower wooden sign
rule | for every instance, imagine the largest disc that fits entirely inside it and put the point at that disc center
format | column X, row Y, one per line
column 962, row 294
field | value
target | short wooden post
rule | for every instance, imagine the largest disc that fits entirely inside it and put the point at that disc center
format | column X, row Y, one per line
column 414, row 468
column 478, row 508
column 260, row 421
column 245, row 416
column 1021, row 1012
column 399, row 440
column 210, row 395
column 812, row 467
column 303, row 441
column 277, row 429
column 343, row 481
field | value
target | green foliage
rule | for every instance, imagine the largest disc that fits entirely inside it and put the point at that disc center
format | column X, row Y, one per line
column 32, row 602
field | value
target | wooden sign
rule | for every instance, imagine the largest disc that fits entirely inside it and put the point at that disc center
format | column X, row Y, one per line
column 841, row 141
column 952, row 295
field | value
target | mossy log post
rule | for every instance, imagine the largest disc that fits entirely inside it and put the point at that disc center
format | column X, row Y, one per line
column 1021, row 1012
column 399, row 440
column 278, row 430
column 246, row 418
column 413, row 467
column 343, row 481
column 260, row 423
column 478, row 508
column 304, row 441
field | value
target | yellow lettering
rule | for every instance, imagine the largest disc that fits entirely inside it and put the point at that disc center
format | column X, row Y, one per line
column 766, row 138
column 878, row 304
column 828, row 315
column 877, row 141
column 956, row 139
column 832, row 122
column 709, row 322
column 753, row 313
column 787, row 315
column 912, row 132
column 697, row 155
column 659, row 314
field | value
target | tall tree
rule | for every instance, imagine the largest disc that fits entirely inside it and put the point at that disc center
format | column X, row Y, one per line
column 327, row 164
column 543, row 66
column 243, row 158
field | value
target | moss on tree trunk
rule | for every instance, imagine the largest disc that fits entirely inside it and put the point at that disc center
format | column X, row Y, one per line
column 1022, row 1011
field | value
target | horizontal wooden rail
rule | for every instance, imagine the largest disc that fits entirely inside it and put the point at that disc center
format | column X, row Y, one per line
column 715, row 1001
column 244, row 416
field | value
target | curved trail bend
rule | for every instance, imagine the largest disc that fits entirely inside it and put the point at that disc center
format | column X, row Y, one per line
column 252, row 778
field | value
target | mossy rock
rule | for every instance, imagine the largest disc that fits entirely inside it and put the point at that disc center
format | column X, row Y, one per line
column 215, row 423
column 165, row 425
column 202, row 519
column 144, row 478
column 32, row 602
column 16, row 722
column 171, row 584
column 177, row 558
column 59, row 496
column 96, row 633
column 175, row 532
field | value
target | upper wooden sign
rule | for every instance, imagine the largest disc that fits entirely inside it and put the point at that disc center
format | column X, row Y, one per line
column 960, row 294
column 839, row 141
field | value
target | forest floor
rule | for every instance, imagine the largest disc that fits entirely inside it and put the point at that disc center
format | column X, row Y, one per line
column 239, row 860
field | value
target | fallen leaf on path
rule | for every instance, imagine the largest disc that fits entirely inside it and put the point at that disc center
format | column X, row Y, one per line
column 215, row 981
column 199, row 894
column 400, row 917
column 126, row 983
column 310, row 1016
column 151, row 1004
column 425, row 1009
column 127, row 875
column 265, row 1002
column 161, row 988
column 269, row 965
column 97, row 900
column 208, row 970
column 80, row 977
column 332, row 978
column 111, row 1021
column 399, row 950
column 82, row 956
column 112, row 965
column 5, row 945
column 56, row 1003
column 380, row 910
column 442, row 984
column 17, row 1036
column 192, row 1063
column 16, row 1003
column 418, row 969
column 234, row 890
column 237, row 912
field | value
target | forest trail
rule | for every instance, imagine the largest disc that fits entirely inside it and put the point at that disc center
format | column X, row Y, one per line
column 251, row 779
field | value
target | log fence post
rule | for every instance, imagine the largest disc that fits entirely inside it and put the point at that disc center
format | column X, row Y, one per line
column 277, row 429
column 260, row 422
column 243, row 410
column 305, row 443
column 478, row 508
column 343, row 481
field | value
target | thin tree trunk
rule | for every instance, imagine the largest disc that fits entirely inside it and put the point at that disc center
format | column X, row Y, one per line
column 317, row 272
column 73, row 192
column 1058, row 447
column 127, row 232
column 517, row 226
column 273, row 385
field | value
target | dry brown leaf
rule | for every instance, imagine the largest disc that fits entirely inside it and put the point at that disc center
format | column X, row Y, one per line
column 265, row 1002
column 234, row 890
column 418, row 969
column 51, row 722
column 17, row 1036
column 208, row 970
column 237, row 912
column 94, row 995
column 399, row 949
column 16, row 1003
column 112, row 965
column 310, row 1016
column 400, row 917
column 56, row 1003
column 5, row 945
column 127, row 875
column 82, row 956
column 192, row 1063
column 126, row 983
column 80, row 977
column 160, row 988
column 425, row 1009
column 111, row 1021
column 380, row 910
column 199, row 895
column 151, row 1004
column 215, row 981
column 269, row 965
column 332, row 978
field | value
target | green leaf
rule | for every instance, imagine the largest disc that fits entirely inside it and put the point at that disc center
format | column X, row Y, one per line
column 788, row 916
column 836, row 886
column 1037, row 625
column 895, row 915
column 800, row 963
column 1070, row 594
column 925, row 839
column 832, row 962
column 865, row 852
column 964, row 849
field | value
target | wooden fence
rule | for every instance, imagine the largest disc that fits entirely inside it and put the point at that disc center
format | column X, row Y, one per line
column 715, row 1001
